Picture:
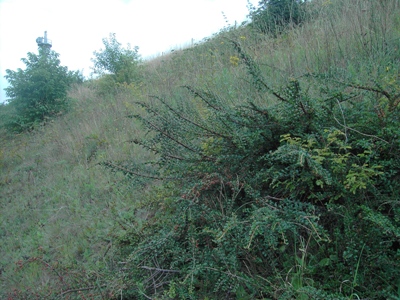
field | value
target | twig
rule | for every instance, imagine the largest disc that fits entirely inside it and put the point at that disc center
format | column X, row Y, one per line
column 79, row 290
column 127, row 171
column 344, row 120
column 108, row 248
column 227, row 273
column 147, row 297
column 364, row 134
column 188, row 120
column 370, row 89
column 274, row 198
column 160, row 270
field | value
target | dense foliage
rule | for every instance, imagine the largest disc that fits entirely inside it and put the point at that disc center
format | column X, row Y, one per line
column 299, row 199
column 273, row 16
column 39, row 91
column 249, row 166
column 117, row 65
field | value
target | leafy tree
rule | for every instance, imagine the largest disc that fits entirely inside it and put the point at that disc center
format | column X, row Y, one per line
column 40, row 91
column 272, row 16
column 121, row 63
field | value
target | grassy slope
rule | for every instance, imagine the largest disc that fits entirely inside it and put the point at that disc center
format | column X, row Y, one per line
column 58, row 207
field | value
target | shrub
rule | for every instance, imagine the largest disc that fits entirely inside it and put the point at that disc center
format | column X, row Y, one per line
column 273, row 16
column 121, row 64
column 284, row 201
column 40, row 91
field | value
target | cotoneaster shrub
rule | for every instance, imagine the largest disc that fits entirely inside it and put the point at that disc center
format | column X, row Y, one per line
column 295, row 196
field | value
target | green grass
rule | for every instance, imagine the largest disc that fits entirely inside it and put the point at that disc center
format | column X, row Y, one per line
column 61, row 211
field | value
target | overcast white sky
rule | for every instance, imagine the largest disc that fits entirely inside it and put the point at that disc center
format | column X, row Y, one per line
column 76, row 27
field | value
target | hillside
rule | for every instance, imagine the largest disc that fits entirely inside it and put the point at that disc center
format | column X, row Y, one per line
column 250, row 166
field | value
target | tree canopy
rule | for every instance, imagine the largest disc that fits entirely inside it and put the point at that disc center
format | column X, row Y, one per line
column 39, row 91
column 121, row 63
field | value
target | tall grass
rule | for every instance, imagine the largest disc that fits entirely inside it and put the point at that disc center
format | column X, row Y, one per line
column 59, row 206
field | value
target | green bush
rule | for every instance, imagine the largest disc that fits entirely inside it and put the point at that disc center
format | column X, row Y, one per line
column 120, row 65
column 38, row 92
column 273, row 16
column 293, row 200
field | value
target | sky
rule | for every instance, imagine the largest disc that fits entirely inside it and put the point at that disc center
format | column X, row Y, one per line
column 77, row 27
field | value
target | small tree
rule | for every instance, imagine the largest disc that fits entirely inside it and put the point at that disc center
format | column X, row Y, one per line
column 272, row 16
column 121, row 63
column 39, row 91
